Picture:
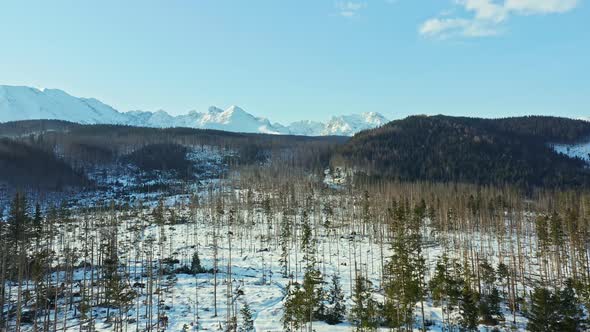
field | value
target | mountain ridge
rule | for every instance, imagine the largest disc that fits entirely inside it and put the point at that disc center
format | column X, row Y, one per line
column 27, row 103
column 517, row 150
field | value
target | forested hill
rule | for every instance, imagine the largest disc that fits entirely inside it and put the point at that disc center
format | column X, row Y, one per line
column 483, row 151
column 53, row 154
column 25, row 165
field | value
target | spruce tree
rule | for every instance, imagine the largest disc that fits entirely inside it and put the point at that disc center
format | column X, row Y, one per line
column 446, row 285
column 337, row 309
column 293, row 315
column 38, row 222
column 158, row 212
column 312, row 295
column 490, row 308
column 364, row 312
column 18, row 222
column 571, row 315
column 303, row 303
column 196, row 264
column 284, row 242
column 487, row 276
column 402, row 285
column 247, row 320
column 541, row 312
column 503, row 275
column 307, row 238
column 468, row 309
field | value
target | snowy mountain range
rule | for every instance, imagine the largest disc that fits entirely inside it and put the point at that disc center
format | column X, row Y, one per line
column 27, row 103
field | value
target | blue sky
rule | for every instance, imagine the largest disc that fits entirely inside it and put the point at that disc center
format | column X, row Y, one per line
column 307, row 59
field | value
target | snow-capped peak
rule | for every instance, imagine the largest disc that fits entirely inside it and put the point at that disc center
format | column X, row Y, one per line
column 213, row 109
column 374, row 118
column 350, row 124
column 26, row 103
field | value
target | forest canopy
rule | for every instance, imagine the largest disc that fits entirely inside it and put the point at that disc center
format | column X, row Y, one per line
column 513, row 151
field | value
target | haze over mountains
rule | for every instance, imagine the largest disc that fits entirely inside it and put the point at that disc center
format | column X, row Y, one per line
column 27, row 103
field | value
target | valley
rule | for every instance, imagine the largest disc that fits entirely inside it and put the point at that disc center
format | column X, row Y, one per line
column 295, row 166
column 208, row 230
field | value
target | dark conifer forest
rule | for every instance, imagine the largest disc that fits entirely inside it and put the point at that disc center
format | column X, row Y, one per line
column 514, row 151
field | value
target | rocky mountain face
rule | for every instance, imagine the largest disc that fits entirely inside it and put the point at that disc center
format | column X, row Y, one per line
column 27, row 103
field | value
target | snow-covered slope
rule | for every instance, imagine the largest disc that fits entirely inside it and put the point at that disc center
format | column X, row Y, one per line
column 306, row 128
column 580, row 150
column 344, row 125
column 348, row 125
column 26, row 103
column 232, row 119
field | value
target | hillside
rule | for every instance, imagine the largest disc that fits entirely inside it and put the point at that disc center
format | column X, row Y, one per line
column 46, row 152
column 24, row 165
column 483, row 151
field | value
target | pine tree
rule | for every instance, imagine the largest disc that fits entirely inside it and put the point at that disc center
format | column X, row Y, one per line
column 570, row 311
column 446, row 285
column 196, row 264
column 38, row 222
column 307, row 239
column 158, row 212
column 284, row 241
column 440, row 279
column 18, row 222
column 312, row 294
column 293, row 315
column 489, row 307
column 364, row 312
column 541, row 314
column 555, row 312
column 247, row 320
column 172, row 218
column 336, row 310
column 303, row 303
column 118, row 291
column 487, row 276
column 329, row 213
column 403, row 274
column 503, row 275
column 556, row 229
column 468, row 309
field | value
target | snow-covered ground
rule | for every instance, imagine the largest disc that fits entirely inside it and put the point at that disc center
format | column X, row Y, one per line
column 337, row 177
column 581, row 150
column 123, row 183
column 249, row 251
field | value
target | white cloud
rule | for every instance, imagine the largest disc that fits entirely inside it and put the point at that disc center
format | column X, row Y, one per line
column 448, row 27
column 488, row 16
column 484, row 9
column 349, row 8
column 541, row 6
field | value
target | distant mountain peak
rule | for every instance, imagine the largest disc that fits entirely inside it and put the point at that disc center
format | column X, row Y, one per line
column 348, row 125
column 213, row 109
column 27, row 103
column 234, row 108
